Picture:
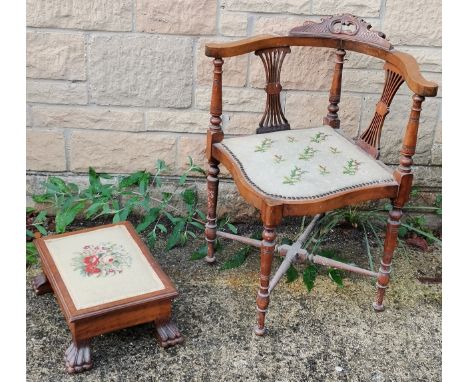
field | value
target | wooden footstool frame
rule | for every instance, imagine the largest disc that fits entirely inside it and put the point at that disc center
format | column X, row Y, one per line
column 90, row 322
column 341, row 32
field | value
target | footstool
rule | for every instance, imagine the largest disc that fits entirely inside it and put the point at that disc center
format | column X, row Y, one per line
column 105, row 279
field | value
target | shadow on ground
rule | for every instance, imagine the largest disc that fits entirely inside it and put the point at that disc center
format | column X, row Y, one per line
column 330, row 334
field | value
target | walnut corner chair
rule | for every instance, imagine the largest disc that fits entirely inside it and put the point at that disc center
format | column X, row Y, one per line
column 307, row 172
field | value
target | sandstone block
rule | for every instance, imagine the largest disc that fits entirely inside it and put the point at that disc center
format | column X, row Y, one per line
column 277, row 6
column 402, row 27
column 178, row 121
column 120, row 152
column 28, row 115
column 191, row 145
column 140, row 70
column 88, row 118
column 436, row 155
column 235, row 123
column 45, row 150
column 56, row 92
column 427, row 176
column 234, row 99
column 304, row 110
column 437, row 146
column 233, row 24
column 362, row 8
column 363, row 81
column 280, row 24
column 111, row 15
column 234, row 68
column 196, row 17
column 55, row 56
column 438, row 132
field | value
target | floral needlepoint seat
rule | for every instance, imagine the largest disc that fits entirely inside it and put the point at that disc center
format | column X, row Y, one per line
column 105, row 279
column 304, row 164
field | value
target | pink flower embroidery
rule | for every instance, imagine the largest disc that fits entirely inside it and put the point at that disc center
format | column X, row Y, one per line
column 102, row 260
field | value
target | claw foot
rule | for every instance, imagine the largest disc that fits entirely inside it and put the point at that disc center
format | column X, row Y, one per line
column 78, row 357
column 167, row 334
column 41, row 285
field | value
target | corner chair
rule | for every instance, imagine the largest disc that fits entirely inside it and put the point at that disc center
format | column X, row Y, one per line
column 307, row 172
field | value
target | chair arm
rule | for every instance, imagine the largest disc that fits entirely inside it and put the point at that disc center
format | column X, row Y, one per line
column 410, row 70
column 246, row 45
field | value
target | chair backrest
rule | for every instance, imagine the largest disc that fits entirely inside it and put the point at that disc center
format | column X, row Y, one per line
column 342, row 32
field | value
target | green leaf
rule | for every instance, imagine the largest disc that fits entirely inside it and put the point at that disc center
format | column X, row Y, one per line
column 42, row 230
column 31, row 254
column 336, row 276
column 182, row 179
column 59, row 183
column 151, row 238
column 161, row 165
column 200, row 214
column 286, row 240
column 149, row 219
column 40, row 217
column 116, row 218
column 200, row 253
column 161, row 228
column 30, row 209
column 198, row 225
column 237, row 259
column 93, row 209
column 94, row 180
column 232, row 228
column 66, row 217
column 291, row 274
column 29, row 233
column 174, row 238
column 189, row 196
column 43, row 198
column 402, row 232
column 198, row 169
column 133, row 179
column 309, row 276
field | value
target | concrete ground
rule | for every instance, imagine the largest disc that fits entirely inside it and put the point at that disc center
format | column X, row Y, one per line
column 330, row 334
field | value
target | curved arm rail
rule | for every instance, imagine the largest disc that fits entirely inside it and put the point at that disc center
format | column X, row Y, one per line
column 403, row 61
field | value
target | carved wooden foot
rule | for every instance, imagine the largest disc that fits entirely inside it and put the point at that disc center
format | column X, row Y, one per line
column 41, row 285
column 78, row 357
column 168, row 335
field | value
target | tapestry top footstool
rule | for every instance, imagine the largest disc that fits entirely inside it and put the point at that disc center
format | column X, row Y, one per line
column 105, row 279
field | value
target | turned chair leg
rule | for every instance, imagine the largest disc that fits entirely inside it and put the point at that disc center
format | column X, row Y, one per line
column 210, row 227
column 391, row 239
column 266, row 258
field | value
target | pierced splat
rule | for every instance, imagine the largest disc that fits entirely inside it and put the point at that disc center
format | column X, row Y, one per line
column 370, row 139
column 273, row 118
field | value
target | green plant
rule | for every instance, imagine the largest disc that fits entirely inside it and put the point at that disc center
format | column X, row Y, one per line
column 118, row 197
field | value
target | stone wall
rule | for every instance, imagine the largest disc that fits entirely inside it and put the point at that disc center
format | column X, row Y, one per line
column 117, row 84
